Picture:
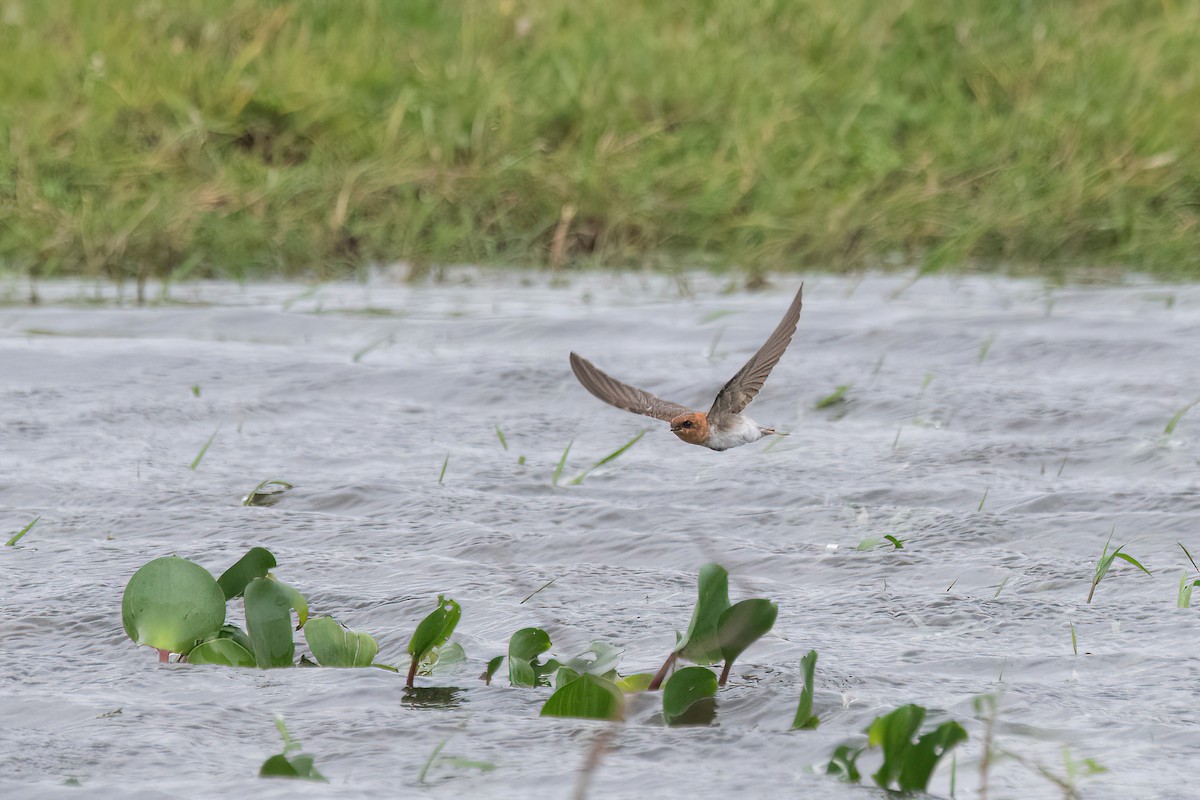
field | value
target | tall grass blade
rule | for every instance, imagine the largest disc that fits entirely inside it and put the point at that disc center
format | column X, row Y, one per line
column 17, row 536
column 1174, row 421
column 429, row 761
column 500, row 436
column 615, row 454
column 445, row 462
column 562, row 462
column 200, row 456
column 1189, row 556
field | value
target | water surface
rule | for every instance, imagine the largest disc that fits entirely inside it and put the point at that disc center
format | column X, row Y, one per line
column 1051, row 402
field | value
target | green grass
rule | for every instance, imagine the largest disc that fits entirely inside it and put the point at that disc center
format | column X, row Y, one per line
column 238, row 139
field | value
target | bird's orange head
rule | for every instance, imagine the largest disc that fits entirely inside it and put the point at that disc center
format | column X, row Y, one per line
column 692, row 428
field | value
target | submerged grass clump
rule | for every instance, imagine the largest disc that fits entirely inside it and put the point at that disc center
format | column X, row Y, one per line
column 237, row 138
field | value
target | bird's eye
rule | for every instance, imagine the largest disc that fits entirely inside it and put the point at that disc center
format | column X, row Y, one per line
column 687, row 424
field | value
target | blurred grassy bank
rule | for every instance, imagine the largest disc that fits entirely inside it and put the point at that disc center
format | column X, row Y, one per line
column 239, row 139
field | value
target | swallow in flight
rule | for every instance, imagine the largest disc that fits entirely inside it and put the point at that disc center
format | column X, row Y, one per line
column 723, row 425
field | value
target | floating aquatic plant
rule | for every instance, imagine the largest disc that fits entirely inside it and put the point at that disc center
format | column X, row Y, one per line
column 718, row 631
column 689, row 697
column 432, row 633
column 171, row 604
column 334, row 645
column 283, row 765
column 586, row 697
column 524, row 648
column 908, row 759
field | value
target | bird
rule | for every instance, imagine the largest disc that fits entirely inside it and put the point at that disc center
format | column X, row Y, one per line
column 723, row 426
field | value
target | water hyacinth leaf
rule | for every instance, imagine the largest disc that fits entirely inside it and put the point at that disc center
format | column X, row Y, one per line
column 523, row 649
column 490, row 670
column 742, row 624
column 563, row 676
column 257, row 562
column 234, row 633
column 600, row 658
column 171, row 604
column 269, row 620
column 280, row 766
column 297, row 603
column 225, row 652
column 700, row 644
column 436, row 628
column 805, row 719
column 432, row 632
column 586, row 697
column 445, row 660
column 908, row 762
column 333, row 645
column 688, row 696
column 844, row 763
column 637, row 682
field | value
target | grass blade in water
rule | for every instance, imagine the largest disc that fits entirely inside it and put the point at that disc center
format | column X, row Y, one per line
column 610, row 457
column 562, row 462
column 17, row 536
column 200, row 456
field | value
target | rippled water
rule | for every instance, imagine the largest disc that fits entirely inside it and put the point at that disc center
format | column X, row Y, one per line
column 1053, row 402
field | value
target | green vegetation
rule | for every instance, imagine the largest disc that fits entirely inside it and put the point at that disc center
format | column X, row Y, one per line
column 588, row 697
column 203, row 450
column 238, row 138
column 284, row 766
column 1104, row 564
column 267, row 493
column 718, row 631
column 1187, row 582
column 689, row 698
column 171, row 604
column 431, row 634
column 805, row 719
column 16, row 537
column 908, row 760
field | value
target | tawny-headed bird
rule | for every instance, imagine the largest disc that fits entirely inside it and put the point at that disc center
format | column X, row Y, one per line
column 723, row 426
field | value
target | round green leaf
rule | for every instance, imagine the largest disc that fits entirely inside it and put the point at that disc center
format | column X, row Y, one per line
column 685, row 691
column 172, row 603
column 335, row 646
column 587, row 697
column 225, row 652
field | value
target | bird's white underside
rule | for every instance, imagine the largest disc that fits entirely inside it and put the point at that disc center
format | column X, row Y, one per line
column 736, row 431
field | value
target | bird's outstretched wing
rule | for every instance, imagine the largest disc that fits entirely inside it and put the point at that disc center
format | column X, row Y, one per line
column 622, row 395
column 743, row 386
